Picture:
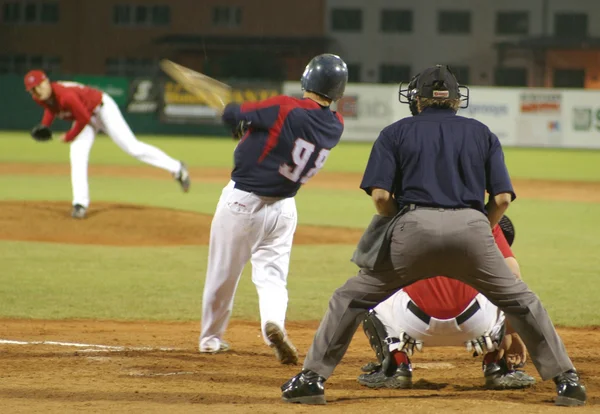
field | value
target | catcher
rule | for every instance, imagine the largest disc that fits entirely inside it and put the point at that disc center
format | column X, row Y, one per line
column 445, row 312
column 91, row 111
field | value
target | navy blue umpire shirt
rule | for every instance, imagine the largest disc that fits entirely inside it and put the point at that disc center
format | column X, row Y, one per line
column 287, row 142
column 438, row 159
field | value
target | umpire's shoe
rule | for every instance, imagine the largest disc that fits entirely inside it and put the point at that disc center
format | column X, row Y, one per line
column 305, row 388
column 78, row 211
column 285, row 351
column 183, row 178
column 569, row 389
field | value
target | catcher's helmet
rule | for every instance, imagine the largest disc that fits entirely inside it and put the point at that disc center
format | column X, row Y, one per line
column 325, row 75
column 436, row 82
column 508, row 229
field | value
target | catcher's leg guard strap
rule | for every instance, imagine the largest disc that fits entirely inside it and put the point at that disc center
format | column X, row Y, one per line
column 377, row 335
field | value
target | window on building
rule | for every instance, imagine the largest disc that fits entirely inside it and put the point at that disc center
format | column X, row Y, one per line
column 49, row 13
column 131, row 67
column 52, row 65
column 161, row 15
column 461, row 73
column 454, row 22
column 346, row 20
column 5, row 64
column 353, row 72
column 396, row 21
column 141, row 15
column 389, row 73
column 20, row 64
column 230, row 16
column 571, row 24
column 569, row 78
column 31, row 12
column 512, row 23
column 11, row 12
column 510, row 77
column 122, row 14
column 36, row 62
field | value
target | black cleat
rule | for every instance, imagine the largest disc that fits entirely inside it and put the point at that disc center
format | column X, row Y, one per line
column 402, row 378
column 499, row 377
column 570, row 391
column 305, row 388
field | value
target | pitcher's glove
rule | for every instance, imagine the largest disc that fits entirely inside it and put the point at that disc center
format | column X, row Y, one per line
column 240, row 129
column 41, row 133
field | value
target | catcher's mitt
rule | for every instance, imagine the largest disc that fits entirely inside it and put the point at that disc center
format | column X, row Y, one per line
column 508, row 229
column 41, row 133
column 240, row 129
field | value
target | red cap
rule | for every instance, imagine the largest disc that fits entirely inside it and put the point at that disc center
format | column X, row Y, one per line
column 34, row 78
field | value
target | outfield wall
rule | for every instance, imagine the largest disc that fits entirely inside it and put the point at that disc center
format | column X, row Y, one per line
column 528, row 117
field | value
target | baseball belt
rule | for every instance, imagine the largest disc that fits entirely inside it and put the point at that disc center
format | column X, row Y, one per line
column 460, row 319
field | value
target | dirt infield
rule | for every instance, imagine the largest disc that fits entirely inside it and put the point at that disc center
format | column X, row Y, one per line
column 61, row 377
column 151, row 367
column 135, row 225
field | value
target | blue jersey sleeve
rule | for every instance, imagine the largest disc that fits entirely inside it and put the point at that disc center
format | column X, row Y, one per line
column 381, row 167
column 497, row 178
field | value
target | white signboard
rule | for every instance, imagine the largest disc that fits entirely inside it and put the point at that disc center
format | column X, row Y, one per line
column 530, row 117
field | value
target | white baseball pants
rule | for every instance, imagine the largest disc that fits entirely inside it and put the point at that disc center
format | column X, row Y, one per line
column 108, row 118
column 247, row 227
column 397, row 318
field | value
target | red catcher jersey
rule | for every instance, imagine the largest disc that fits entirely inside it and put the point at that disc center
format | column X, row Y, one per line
column 445, row 298
column 70, row 101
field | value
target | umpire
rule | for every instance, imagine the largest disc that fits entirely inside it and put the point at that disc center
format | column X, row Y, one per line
column 427, row 176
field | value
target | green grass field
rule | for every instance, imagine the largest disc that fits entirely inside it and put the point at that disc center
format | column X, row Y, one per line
column 556, row 245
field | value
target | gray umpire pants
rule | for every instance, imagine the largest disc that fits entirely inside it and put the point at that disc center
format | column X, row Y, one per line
column 430, row 242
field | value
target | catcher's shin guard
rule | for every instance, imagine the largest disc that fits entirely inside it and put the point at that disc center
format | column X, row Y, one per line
column 379, row 340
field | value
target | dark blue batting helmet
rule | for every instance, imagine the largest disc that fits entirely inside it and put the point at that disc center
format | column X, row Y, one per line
column 325, row 75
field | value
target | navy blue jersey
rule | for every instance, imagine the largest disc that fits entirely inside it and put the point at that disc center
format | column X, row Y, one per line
column 438, row 159
column 288, row 142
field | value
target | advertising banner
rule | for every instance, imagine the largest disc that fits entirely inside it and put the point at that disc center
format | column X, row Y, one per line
column 496, row 108
column 144, row 96
column 117, row 87
column 581, row 119
column 180, row 106
column 366, row 109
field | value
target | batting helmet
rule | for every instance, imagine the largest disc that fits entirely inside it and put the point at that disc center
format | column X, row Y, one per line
column 325, row 75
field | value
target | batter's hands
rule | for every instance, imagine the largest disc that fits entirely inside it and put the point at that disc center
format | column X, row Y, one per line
column 408, row 344
column 482, row 344
column 514, row 350
column 240, row 129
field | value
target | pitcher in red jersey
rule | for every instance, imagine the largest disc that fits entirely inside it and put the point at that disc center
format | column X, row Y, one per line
column 91, row 111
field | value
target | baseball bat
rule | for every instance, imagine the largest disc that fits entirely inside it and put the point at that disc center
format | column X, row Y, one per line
column 216, row 94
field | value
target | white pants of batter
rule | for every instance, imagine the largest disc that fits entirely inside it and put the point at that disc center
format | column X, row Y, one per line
column 108, row 118
column 247, row 227
column 397, row 318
